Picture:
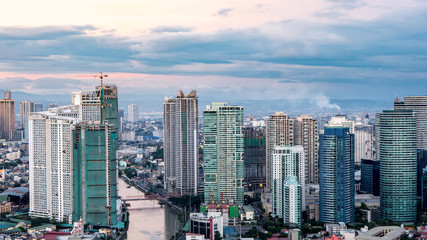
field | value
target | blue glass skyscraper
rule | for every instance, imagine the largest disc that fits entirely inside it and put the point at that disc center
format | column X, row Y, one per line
column 336, row 175
column 396, row 149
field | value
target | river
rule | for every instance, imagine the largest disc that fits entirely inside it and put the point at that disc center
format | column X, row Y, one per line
column 148, row 221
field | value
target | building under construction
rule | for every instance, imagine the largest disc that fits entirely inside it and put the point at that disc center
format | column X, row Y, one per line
column 72, row 159
column 94, row 171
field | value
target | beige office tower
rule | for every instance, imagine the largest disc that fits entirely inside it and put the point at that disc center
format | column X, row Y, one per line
column 181, row 145
column 364, row 142
column 7, row 115
column 25, row 108
column 133, row 113
column 280, row 132
column 341, row 121
column 307, row 135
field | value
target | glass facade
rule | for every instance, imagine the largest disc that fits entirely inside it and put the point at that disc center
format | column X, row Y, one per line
column 223, row 153
column 336, row 165
column 370, row 174
column 396, row 150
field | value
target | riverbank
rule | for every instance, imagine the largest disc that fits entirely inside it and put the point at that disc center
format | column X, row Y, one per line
column 146, row 191
column 147, row 219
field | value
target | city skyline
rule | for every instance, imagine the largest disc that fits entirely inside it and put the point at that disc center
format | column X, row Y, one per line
column 315, row 51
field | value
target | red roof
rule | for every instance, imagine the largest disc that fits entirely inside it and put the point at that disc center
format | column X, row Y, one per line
column 52, row 235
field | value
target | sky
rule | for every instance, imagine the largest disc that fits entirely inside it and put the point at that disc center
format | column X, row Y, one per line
column 228, row 50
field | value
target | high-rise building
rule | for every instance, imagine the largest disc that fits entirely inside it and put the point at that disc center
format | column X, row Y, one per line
column 364, row 142
column 418, row 104
column 50, row 163
column 7, row 115
column 72, row 159
column 307, row 135
column 370, row 174
column 396, row 136
column 292, row 200
column 424, row 189
column 94, row 171
column 181, row 145
column 223, row 153
column 53, row 105
column 279, row 132
column 133, row 113
column 254, row 158
column 25, row 108
column 38, row 107
column 421, row 165
column 336, row 176
column 286, row 162
column 341, row 121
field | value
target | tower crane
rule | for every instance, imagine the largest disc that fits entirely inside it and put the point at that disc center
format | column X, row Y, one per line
column 101, row 78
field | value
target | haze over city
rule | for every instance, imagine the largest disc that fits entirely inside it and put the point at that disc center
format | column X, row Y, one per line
column 326, row 54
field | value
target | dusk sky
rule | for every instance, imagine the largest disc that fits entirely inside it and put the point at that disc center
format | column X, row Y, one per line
column 315, row 50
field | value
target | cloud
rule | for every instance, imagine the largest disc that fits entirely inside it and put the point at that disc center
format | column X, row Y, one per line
column 45, row 32
column 44, row 85
column 340, row 57
column 224, row 11
column 171, row 29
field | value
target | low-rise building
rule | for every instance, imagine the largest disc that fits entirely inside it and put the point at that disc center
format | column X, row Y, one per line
column 370, row 214
column 207, row 224
column 46, row 227
column 335, row 229
column 248, row 213
column 335, row 237
column 194, row 236
column 267, row 203
column 5, row 207
column 383, row 232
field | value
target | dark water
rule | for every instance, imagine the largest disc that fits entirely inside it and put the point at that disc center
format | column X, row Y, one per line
column 147, row 219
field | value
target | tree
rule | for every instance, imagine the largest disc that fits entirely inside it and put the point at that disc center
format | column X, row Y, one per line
column 217, row 236
column 364, row 206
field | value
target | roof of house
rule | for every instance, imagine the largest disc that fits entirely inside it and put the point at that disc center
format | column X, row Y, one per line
column 18, row 191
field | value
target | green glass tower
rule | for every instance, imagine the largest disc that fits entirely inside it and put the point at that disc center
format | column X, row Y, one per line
column 223, row 153
column 94, row 168
column 396, row 150
column 94, row 161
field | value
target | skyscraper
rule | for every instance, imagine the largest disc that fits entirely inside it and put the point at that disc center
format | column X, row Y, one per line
column 133, row 113
column 53, row 105
column 292, row 202
column 94, row 183
column 286, row 161
column 279, row 132
column 418, row 104
column 7, row 115
column 396, row 149
column 50, row 162
column 223, row 153
column 307, row 135
column 25, row 108
column 341, row 121
column 181, row 146
column 254, row 157
column 38, row 107
column 72, row 159
column 336, row 176
column 364, row 142
column 370, row 174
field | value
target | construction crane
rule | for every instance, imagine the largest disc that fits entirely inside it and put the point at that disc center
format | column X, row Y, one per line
column 101, row 78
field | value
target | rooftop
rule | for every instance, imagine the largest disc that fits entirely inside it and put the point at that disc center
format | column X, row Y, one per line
column 384, row 232
column 18, row 191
